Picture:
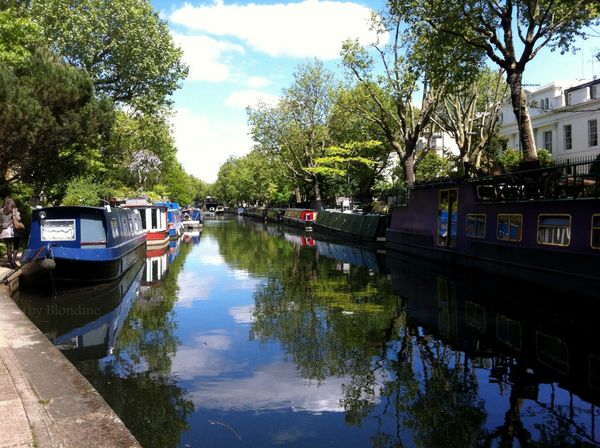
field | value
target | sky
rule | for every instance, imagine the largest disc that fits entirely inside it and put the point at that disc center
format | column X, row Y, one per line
column 241, row 52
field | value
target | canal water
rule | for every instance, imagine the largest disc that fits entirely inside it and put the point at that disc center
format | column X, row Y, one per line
column 254, row 335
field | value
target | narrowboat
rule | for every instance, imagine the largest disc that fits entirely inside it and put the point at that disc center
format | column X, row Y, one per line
column 210, row 206
column 545, row 220
column 257, row 212
column 81, row 244
column 356, row 226
column 191, row 218
column 299, row 217
column 154, row 221
column 174, row 219
column 275, row 214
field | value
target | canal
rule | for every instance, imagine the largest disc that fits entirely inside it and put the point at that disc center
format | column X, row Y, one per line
column 254, row 335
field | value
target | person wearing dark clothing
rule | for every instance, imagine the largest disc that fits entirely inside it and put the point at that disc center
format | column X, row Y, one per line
column 11, row 224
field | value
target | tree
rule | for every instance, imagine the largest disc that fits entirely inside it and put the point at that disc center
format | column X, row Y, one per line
column 510, row 33
column 347, row 128
column 469, row 114
column 52, row 127
column 295, row 131
column 389, row 97
column 19, row 36
column 125, row 47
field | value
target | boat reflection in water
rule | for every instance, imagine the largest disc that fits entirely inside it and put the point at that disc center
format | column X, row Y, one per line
column 85, row 323
column 537, row 348
column 192, row 236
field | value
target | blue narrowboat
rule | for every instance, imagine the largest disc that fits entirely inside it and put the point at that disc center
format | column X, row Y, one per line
column 82, row 244
column 174, row 219
column 192, row 218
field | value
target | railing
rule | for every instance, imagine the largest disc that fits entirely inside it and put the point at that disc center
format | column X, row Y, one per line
column 573, row 180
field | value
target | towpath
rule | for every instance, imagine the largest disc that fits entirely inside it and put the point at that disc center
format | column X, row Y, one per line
column 44, row 400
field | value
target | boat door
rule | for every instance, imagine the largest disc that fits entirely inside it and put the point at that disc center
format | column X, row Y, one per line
column 447, row 217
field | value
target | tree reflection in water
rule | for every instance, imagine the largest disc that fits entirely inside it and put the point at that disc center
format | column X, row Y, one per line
column 422, row 388
column 136, row 379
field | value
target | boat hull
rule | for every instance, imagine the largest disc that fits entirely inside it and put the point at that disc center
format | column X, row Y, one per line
column 72, row 270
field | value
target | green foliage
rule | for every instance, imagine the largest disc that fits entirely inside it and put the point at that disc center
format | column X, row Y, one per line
column 253, row 179
column 52, row 127
column 510, row 159
column 18, row 37
column 84, row 191
column 294, row 132
column 124, row 45
column 433, row 166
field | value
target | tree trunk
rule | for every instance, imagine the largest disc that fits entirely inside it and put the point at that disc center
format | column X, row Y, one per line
column 521, row 111
column 408, row 169
column 317, row 190
column 298, row 196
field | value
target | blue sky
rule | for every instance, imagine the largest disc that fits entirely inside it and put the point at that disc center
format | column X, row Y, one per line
column 239, row 52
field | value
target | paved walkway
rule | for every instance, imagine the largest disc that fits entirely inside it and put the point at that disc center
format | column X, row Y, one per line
column 44, row 400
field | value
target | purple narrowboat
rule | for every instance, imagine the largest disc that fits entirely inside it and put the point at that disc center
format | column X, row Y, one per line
column 529, row 223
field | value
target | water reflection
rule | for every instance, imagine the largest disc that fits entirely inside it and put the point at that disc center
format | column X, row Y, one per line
column 256, row 335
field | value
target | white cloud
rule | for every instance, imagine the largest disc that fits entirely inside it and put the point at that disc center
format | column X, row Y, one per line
column 242, row 314
column 203, row 144
column 208, row 59
column 193, row 287
column 256, row 82
column 244, row 98
column 311, row 28
column 276, row 386
column 204, row 356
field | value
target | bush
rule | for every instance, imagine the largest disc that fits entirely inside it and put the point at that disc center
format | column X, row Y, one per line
column 83, row 191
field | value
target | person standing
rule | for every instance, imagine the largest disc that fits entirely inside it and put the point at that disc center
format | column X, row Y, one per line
column 11, row 225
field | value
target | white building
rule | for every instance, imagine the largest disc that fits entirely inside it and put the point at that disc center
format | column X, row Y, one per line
column 565, row 118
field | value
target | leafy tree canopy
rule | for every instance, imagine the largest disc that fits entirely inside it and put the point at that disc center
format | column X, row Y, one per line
column 124, row 45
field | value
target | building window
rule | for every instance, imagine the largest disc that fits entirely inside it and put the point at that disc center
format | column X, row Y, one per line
column 594, row 92
column 568, row 136
column 475, row 226
column 510, row 227
column 592, row 132
column 569, row 98
column 554, row 230
column 596, row 232
column 548, row 141
column 545, row 104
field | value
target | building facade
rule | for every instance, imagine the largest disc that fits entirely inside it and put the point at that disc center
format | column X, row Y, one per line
column 565, row 118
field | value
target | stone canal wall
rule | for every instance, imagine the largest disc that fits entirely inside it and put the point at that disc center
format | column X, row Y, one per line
column 44, row 400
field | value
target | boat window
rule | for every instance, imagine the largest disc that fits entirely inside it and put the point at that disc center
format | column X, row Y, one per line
column 93, row 234
column 115, row 227
column 58, row 230
column 475, row 227
column 143, row 218
column 554, row 230
column 126, row 231
column 447, row 217
column 596, row 231
column 154, row 213
column 510, row 227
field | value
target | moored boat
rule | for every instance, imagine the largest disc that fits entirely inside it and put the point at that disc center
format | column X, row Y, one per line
column 154, row 221
column 545, row 220
column 81, row 244
column 191, row 218
column 174, row 220
column 299, row 217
